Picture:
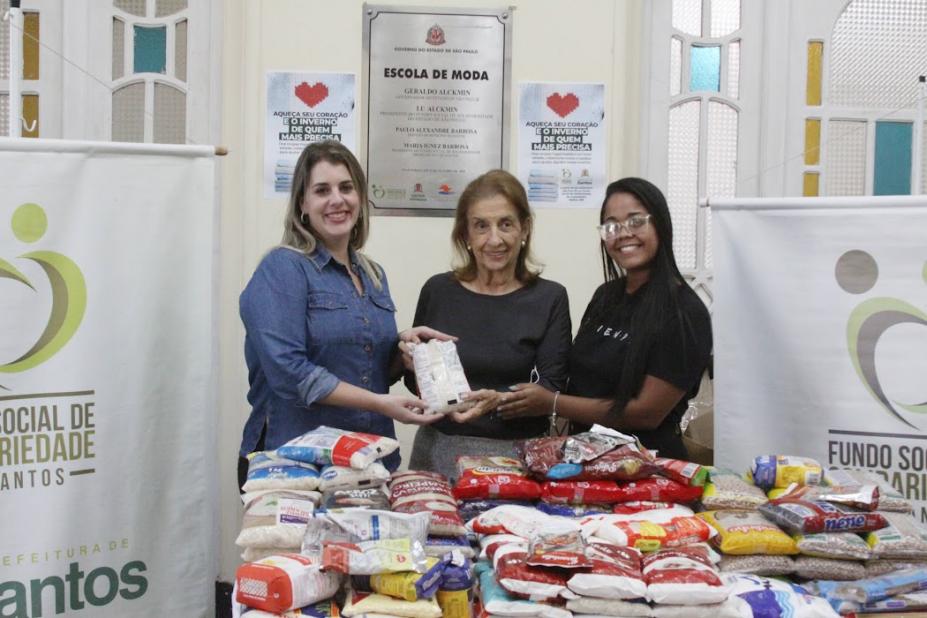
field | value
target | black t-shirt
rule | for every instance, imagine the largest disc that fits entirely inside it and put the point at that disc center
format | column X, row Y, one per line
column 501, row 339
column 678, row 354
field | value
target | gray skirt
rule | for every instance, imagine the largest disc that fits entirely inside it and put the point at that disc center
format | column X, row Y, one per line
column 438, row 452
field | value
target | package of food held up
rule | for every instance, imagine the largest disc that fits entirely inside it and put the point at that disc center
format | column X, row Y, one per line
column 440, row 376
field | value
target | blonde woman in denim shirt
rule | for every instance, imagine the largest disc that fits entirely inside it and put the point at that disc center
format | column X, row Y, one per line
column 321, row 335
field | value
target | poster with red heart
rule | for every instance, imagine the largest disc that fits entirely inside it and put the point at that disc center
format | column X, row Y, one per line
column 303, row 108
column 561, row 144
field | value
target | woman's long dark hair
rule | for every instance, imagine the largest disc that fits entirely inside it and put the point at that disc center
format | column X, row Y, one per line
column 658, row 298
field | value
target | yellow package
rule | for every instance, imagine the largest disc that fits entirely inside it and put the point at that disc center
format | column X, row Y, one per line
column 770, row 471
column 359, row 603
column 455, row 603
column 744, row 532
column 410, row 585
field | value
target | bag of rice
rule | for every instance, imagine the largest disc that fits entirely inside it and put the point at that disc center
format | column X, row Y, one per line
column 512, row 519
column 682, row 576
column 370, row 604
column 275, row 518
column 281, row 583
column 773, row 598
column 469, row 509
column 609, row 607
column 440, row 376
column 267, row 470
column 748, row 532
column 374, row 557
column 407, row 585
column 253, row 554
column 529, row 582
column 653, row 530
column 493, row 477
column 837, row 545
column 375, row 525
column 731, row 608
column 728, row 490
column 904, row 538
column 325, row 446
column 803, row 516
column 558, row 544
column 497, row 601
column 615, row 573
column 770, row 471
column 414, row 492
column 343, row 477
column 580, row 492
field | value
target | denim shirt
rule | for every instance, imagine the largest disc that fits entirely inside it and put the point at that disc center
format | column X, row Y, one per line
column 307, row 329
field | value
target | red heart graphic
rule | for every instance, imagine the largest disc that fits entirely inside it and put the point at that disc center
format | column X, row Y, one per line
column 312, row 95
column 562, row 105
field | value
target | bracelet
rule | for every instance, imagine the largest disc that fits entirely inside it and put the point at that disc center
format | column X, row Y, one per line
column 553, row 410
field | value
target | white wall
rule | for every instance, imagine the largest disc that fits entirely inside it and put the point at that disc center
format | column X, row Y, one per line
column 583, row 41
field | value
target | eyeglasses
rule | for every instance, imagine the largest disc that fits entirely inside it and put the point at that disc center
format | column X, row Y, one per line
column 611, row 229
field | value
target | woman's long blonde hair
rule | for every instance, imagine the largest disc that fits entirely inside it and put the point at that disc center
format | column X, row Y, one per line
column 300, row 236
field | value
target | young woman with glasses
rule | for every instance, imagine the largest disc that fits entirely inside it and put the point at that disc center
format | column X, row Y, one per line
column 645, row 338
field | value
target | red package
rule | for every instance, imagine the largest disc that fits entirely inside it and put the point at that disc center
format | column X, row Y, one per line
column 648, row 535
column 580, row 492
column 625, row 463
column 685, row 472
column 615, row 573
column 412, row 492
column 494, row 477
column 809, row 516
column 657, row 489
column 683, row 576
column 283, row 582
column 525, row 581
column 540, row 454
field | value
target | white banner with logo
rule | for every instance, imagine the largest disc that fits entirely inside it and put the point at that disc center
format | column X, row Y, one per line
column 107, row 390
column 820, row 325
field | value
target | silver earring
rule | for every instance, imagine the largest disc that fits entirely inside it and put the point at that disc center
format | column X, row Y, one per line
column 303, row 218
column 469, row 248
column 523, row 243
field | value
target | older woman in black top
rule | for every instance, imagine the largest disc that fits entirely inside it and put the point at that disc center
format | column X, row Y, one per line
column 511, row 324
column 645, row 338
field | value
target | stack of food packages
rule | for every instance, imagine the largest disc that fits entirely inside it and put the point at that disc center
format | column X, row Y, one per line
column 593, row 524
column 327, row 532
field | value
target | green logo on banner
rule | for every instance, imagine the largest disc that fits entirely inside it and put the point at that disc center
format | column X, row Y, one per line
column 857, row 272
column 69, row 292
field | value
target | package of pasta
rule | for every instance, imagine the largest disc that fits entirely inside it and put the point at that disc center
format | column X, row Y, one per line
column 889, row 497
column 837, row 545
column 904, row 538
column 268, row 470
column 374, row 557
column 414, row 492
column 580, row 492
column 344, row 477
column 682, row 576
column 728, row 490
column 494, row 477
column 770, row 471
column 364, row 498
column 275, row 518
column 804, row 516
column 742, row 532
column 372, row 604
column 649, row 533
column 615, row 573
column 657, row 489
column 325, row 446
column 440, row 376
column 281, row 583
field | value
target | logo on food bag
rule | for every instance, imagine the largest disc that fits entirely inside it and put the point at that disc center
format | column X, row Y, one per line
column 857, row 272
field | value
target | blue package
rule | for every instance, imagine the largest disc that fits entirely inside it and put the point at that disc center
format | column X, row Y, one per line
column 457, row 577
